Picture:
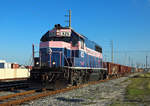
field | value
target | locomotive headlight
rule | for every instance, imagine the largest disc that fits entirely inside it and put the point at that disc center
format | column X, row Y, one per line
column 53, row 63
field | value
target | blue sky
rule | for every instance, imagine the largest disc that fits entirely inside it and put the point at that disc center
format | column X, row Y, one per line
column 126, row 22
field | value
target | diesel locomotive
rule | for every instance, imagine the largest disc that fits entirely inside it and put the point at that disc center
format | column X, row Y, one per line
column 67, row 58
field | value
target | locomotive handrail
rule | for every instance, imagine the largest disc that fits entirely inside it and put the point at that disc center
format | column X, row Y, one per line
column 60, row 54
column 66, row 60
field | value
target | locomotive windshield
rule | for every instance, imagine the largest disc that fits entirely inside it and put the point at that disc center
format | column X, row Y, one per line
column 98, row 49
column 65, row 39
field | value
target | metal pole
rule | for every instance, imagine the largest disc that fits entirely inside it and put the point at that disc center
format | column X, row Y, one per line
column 33, row 54
column 69, row 18
column 146, row 61
column 112, row 55
column 129, row 60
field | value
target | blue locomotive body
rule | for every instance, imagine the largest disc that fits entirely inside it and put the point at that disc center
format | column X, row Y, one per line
column 67, row 57
column 69, row 50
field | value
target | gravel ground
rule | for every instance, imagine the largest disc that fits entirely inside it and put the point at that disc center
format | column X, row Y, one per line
column 94, row 95
column 3, row 93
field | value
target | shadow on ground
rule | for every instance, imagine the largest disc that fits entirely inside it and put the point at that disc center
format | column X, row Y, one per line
column 69, row 100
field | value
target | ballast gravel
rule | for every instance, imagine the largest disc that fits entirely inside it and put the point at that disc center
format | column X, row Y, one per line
column 101, row 94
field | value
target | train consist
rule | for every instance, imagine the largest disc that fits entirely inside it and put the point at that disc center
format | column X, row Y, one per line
column 67, row 57
column 117, row 70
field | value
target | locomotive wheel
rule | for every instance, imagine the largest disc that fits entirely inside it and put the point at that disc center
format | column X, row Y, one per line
column 76, row 78
column 87, row 77
column 60, row 83
column 84, row 78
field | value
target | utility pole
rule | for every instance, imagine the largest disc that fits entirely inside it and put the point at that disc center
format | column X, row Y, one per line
column 33, row 53
column 112, row 52
column 129, row 60
column 69, row 18
column 132, row 65
column 146, row 61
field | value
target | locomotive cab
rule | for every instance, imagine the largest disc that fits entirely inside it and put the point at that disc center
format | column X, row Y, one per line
column 58, row 47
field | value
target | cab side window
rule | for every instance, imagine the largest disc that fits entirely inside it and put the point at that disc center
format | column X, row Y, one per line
column 82, row 43
column 75, row 40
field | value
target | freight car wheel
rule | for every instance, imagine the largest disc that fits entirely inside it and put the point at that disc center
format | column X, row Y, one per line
column 105, row 75
column 101, row 76
column 80, row 80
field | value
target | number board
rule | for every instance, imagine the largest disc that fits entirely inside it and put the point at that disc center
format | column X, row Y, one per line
column 61, row 32
column 67, row 34
column 52, row 34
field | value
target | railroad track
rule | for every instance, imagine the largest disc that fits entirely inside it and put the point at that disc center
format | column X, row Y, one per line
column 12, row 99
column 13, row 85
column 19, row 98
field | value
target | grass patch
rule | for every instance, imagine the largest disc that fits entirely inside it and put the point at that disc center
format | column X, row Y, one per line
column 125, row 80
column 124, row 104
column 139, row 88
column 137, row 92
column 145, row 75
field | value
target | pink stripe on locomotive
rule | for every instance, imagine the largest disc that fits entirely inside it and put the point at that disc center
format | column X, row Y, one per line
column 61, row 44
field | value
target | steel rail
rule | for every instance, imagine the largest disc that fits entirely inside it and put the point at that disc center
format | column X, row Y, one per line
column 43, row 94
column 22, row 100
column 16, row 94
column 49, row 93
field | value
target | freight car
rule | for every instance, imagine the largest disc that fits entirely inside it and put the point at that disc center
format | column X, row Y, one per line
column 14, row 74
column 67, row 57
column 118, row 70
